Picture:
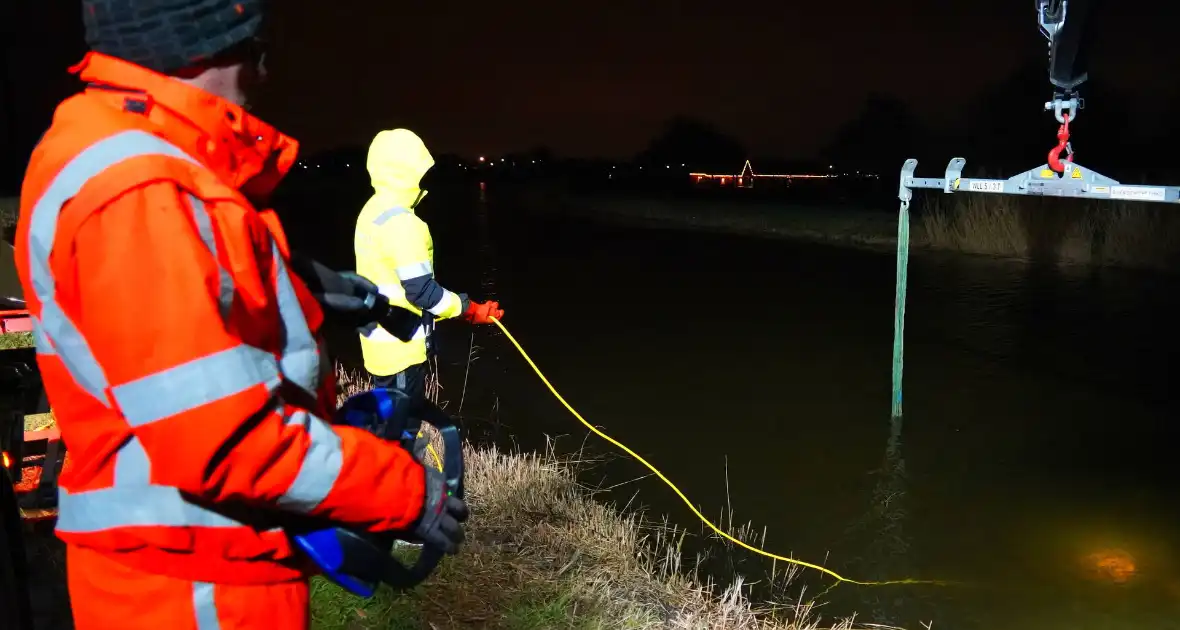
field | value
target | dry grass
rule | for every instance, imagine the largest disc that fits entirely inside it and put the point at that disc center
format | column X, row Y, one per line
column 1117, row 234
column 1060, row 231
column 16, row 340
column 39, row 421
column 9, row 210
column 542, row 553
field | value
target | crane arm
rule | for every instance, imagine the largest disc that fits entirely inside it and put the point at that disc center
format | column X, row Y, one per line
column 1067, row 39
column 1064, row 24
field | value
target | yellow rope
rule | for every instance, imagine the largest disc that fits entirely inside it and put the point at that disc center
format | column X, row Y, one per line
column 839, row 578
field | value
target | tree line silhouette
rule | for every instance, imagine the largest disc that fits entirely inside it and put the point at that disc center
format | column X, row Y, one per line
column 1005, row 132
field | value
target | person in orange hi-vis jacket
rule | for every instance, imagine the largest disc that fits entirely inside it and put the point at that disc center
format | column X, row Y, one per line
column 182, row 359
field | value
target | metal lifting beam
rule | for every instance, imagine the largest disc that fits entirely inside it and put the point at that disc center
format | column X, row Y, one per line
column 1063, row 23
column 1056, row 178
column 1076, row 181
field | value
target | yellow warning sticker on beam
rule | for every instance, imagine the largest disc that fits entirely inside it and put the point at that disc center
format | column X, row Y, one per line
column 1047, row 173
column 1077, row 173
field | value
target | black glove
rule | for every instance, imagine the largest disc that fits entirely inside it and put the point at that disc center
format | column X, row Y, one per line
column 442, row 515
column 353, row 289
column 338, row 292
column 354, row 299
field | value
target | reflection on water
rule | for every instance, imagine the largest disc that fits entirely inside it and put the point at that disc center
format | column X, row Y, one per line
column 877, row 547
column 482, row 263
column 1037, row 460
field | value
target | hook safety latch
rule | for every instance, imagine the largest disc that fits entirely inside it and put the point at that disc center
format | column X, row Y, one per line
column 1062, row 145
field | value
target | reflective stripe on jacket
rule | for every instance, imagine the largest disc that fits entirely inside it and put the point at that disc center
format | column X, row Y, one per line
column 181, row 359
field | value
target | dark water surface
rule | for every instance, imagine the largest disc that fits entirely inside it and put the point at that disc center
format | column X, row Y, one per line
column 1038, row 406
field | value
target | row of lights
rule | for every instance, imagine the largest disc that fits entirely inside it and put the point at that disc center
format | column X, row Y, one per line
column 483, row 160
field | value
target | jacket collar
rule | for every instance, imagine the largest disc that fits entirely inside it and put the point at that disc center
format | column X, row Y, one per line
column 243, row 151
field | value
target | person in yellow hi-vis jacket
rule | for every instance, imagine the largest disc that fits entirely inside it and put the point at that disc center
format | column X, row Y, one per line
column 394, row 250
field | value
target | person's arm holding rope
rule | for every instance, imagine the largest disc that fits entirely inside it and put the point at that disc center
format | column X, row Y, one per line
column 422, row 289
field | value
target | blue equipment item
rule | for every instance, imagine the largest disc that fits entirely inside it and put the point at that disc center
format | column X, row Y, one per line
column 359, row 561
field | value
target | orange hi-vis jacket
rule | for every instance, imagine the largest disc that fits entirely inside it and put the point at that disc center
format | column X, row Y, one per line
column 182, row 361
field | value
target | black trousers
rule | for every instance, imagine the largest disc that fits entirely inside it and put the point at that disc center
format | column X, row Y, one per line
column 412, row 382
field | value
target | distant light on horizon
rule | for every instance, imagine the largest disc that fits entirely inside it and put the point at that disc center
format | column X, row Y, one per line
column 481, row 158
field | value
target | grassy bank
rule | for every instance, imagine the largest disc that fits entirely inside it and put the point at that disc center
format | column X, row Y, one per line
column 16, row 340
column 1051, row 230
column 1115, row 234
column 856, row 227
column 541, row 553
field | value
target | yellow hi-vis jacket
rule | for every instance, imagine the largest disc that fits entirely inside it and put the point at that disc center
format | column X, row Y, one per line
column 394, row 250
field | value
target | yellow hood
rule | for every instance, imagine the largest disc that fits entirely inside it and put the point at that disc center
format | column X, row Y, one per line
column 397, row 161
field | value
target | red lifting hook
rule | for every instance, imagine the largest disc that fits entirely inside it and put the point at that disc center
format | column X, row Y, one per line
column 1062, row 145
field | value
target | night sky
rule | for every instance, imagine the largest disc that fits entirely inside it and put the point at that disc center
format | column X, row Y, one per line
column 586, row 79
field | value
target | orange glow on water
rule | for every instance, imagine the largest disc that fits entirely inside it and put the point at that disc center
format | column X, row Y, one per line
column 1114, row 565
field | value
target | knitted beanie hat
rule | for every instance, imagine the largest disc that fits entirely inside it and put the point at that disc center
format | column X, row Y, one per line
column 167, row 35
